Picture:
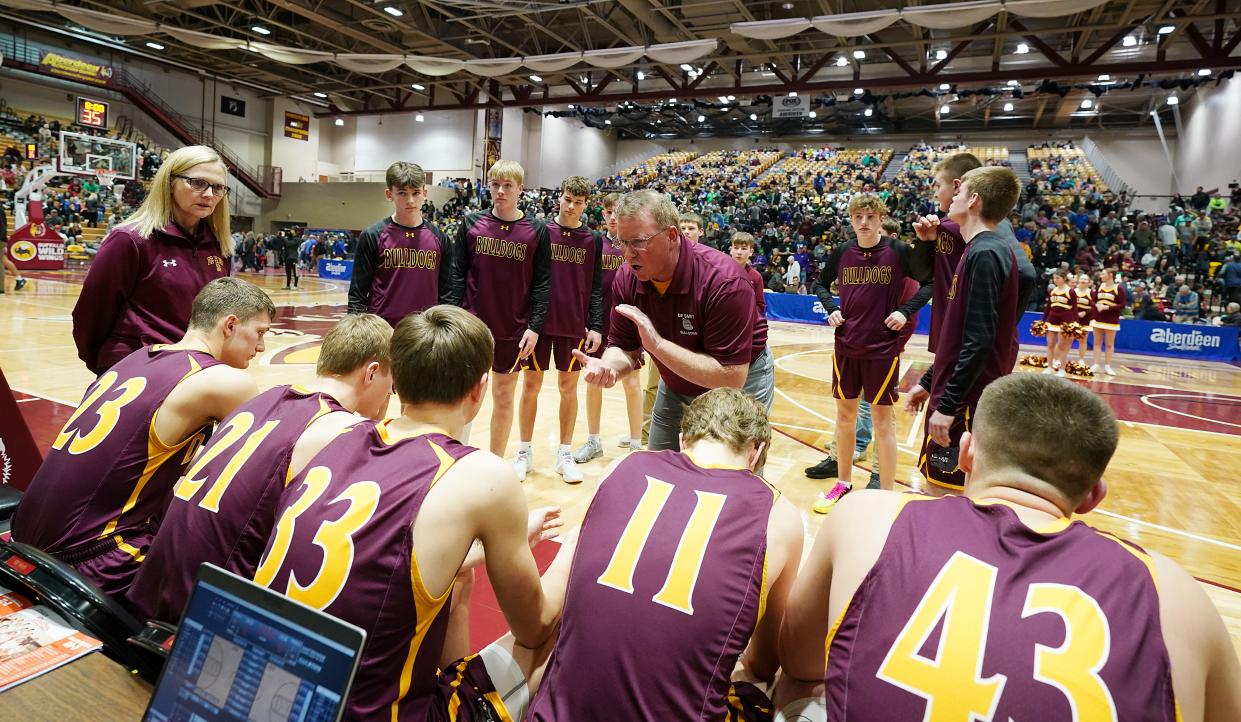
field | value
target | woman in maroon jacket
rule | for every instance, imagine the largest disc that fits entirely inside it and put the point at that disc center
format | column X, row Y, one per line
column 149, row 269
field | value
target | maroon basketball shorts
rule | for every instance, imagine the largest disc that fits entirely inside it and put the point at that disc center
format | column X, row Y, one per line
column 747, row 703
column 554, row 348
column 111, row 563
column 941, row 464
column 871, row 379
column 504, row 360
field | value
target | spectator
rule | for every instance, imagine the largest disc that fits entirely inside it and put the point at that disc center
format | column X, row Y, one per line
column 1185, row 305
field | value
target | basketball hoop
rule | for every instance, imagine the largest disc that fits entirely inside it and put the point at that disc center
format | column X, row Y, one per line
column 106, row 177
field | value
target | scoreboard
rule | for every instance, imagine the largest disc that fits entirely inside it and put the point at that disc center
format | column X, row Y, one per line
column 92, row 113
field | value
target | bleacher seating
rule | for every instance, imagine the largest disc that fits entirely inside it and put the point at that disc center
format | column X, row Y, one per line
column 645, row 171
column 841, row 168
column 1063, row 172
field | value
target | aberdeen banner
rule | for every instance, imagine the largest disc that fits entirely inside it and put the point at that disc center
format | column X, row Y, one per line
column 74, row 68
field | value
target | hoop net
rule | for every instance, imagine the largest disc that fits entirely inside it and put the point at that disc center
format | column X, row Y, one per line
column 106, row 177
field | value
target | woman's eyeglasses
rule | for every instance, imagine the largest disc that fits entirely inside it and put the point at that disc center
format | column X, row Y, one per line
column 200, row 186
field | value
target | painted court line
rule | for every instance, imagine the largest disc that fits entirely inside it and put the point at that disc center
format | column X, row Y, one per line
column 1170, row 530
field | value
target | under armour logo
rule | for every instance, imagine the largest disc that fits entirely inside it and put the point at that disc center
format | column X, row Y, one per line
column 170, row 263
column 410, row 234
column 503, row 227
column 566, row 234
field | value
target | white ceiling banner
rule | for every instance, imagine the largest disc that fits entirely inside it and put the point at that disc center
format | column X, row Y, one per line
column 205, row 41
column 38, row 5
column 1050, row 8
column 434, row 67
column 107, row 22
column 614, row 57
column 770, row 29
column 853, row 25
column 551, row 63
column 951, row 15
column 369, row 63
column 681, row 52
column 290, row 56
column 492, row 67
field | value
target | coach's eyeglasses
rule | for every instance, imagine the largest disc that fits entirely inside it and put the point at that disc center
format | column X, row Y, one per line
column 200, row 186
column 636, row 245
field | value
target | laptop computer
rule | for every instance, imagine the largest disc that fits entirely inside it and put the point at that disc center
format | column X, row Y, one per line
column 245, row 652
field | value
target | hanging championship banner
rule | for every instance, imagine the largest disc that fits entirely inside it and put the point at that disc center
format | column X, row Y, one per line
column 494, row 126
column 296, row 126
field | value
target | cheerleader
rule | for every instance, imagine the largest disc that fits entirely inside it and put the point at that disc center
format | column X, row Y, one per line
column 1084, row 303
column 1109, row 300
column 1057, row 313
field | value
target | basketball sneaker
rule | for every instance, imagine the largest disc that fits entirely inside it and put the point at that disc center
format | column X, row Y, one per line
column 592, row 449
column 825, row 469
column 828, row 499
column 1109, row 371
column 522, row 464
column 1096, row 369
column 21, row 283
column 623, row 442
column 567, row 468
column 874, row 480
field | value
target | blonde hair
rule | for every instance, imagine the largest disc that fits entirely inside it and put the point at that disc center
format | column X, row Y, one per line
column 660, row 208
column 357, row 340
column 156, row 211
column 729, row 416
column 507, row 170
column 998, row 188
column 863, row 202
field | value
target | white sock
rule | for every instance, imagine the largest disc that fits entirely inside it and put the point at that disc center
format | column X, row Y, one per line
column 507, row 678
column 635, row 443
column 523, row 447
column 564, row 450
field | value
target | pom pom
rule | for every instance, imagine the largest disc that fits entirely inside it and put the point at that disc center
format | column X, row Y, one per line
column 1038, row 328
column 1038, row 362
column 1075, row 368
column 1074, row 330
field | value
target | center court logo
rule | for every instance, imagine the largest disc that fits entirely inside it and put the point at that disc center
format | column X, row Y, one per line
column 1184, row 341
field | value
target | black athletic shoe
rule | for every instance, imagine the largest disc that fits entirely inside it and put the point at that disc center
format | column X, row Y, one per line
column 21, row 283
column 825, row 469
column 874, row 480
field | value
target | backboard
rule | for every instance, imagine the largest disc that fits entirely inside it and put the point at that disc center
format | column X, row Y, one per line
column 82, row 154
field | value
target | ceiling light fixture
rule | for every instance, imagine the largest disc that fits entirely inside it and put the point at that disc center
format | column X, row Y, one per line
column 945, row 86
column 687, row 67
column 859, row 54
column 941, row 54
column 813, row 114
column 340, row 122
column 418, row 86
column 418, row 118
column 1204, row 71
column 1105, row 78
column 859, row 91
column 607, row 122
column 842, row 61
column 1022, row 48
column 753, row 116
column 1167, row 29
column 1014, row 84
column 641, row 75
column 724, row 99
column 1173, row 100
column 793, row 94
column 732, row 97
column 1129, row 41
column 701, row 118
column 1087, row 102
column 261, row 30
column 320, row 95
column 154, row 46
column 394, row 11
column 943, row 110
column 868, row 112
column 537, row 78
column 1008, row 107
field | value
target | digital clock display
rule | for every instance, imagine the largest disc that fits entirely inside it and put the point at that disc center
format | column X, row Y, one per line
column 92, row 113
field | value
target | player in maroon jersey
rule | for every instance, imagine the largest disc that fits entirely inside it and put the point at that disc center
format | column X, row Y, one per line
column 377, row 526
column 96, row 501
column 224, row 507
column 997, row 605
column 574, row 321
column 1058, row 312
column 673, row 581
column 610, row 263
column 870, row 274
column 977, row 342
column 502, row 274
column 741, row 248
column 1109, row 300
column 402, row 263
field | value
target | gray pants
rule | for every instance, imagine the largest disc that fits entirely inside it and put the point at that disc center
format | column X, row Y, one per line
column 669, row 405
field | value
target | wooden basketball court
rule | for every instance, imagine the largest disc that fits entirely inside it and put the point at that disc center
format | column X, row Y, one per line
column 1170, row 482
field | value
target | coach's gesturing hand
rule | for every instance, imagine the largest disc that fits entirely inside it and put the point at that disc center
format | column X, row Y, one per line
column 596, row 371
column 646, row 329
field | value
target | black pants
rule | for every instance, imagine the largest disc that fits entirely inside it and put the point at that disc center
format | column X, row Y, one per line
column 290, row 272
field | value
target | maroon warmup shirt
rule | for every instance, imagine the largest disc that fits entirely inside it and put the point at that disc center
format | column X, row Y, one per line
column 708, row 308
column 610, row 262
column 577, row 282
column 666, row 588
column 1068, row 618
column 503, row 271
column 760, row 299
column 871, row 282
column 983, row 297
column 139, row 291
column 224, row 507
column 399, row 270
column 949, row 247
column 356, row 502
column 107, row 478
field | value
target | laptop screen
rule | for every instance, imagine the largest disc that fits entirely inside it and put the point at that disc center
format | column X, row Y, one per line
column 235, row 660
